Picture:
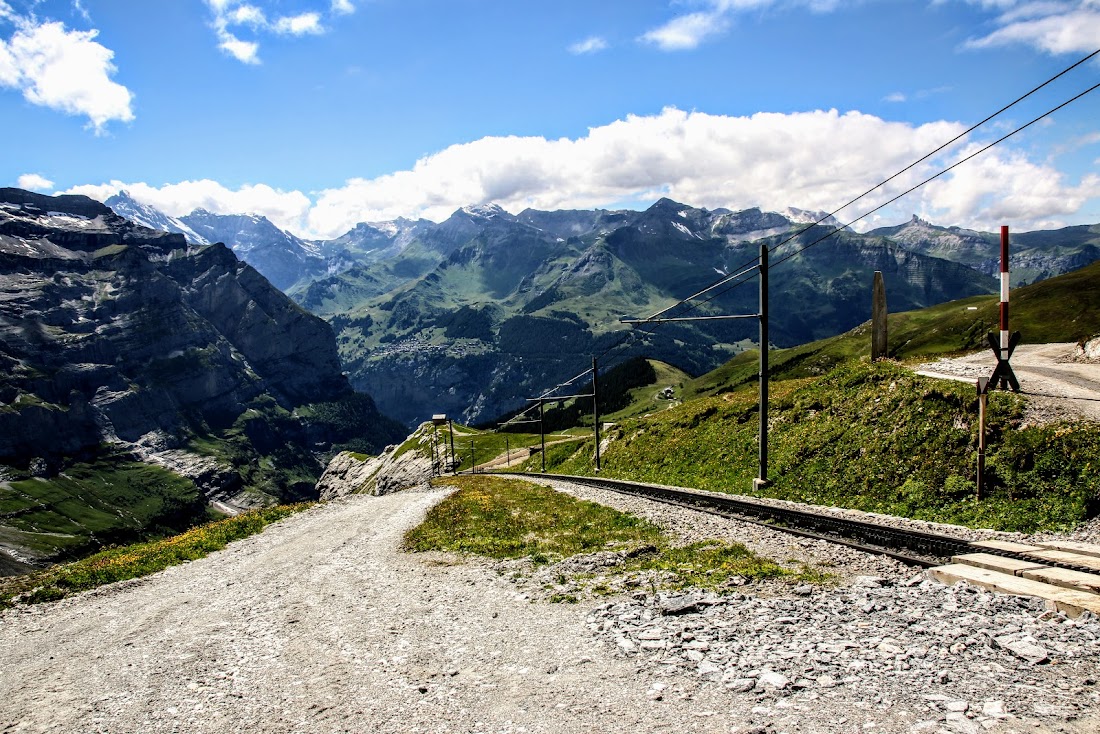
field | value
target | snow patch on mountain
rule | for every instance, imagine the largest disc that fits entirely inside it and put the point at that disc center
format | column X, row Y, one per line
column 126, row 206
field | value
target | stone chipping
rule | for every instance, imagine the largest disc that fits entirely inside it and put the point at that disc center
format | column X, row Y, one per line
column 320, row 624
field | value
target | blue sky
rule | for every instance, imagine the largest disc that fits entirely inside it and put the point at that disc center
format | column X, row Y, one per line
column 323, row 113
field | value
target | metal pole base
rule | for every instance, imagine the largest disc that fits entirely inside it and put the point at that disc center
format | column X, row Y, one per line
column 1003, row 376
column 759, row 483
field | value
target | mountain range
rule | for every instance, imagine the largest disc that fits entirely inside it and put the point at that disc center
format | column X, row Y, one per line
column 472, row 315
column 125, row 343
column 489, row 308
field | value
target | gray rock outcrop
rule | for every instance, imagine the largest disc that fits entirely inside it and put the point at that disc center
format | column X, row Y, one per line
column 111, row 333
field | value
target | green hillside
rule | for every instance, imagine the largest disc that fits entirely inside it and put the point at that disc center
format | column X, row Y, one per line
column 871, row 437
column 877, row 437
column 95, row 503
column 1061, row 309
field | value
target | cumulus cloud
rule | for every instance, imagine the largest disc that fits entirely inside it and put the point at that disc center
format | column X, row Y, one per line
column 287, row 209
column 299, row 25
column 1004, row 187
column 234, row 18
column 686, row 31
column 713, row 18
column 1051, row 27
column 590, row 45
column 34, row 182
column 65, row 70
column 811, row 160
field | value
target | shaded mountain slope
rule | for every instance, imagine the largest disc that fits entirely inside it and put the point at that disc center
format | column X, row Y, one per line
column 517, row 306
column 121, row 344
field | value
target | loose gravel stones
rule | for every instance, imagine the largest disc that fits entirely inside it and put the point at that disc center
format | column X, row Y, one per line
column 959, row 658
column 925, row 647
column 320, row 624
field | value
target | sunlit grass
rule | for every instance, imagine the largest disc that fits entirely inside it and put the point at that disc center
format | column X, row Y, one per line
column 501, row 518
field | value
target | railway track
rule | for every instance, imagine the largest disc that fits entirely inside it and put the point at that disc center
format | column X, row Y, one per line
column 911, row 547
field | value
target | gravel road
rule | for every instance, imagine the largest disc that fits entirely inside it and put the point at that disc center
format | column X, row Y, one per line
column 319, row 624
column 1058, row 383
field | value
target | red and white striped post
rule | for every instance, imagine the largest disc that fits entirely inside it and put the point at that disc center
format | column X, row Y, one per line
column 1002, row 375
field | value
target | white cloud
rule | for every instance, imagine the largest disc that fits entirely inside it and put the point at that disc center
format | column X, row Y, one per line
column 687, row 31
column 247, row 52
column 590, row 45
column 287, row 209
column 247, row 15
column 299, row 25
column 1003, row 187
column 1052, row 27
column 811, row 160
column 233, row 19
column 894, row 97
column 34, row 182
column 65, row 70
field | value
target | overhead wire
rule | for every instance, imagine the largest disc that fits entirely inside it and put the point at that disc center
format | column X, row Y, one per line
column 749, row 268
column 745, row 267
column 908, row 191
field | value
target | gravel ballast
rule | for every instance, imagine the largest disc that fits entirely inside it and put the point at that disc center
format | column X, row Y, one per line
column 320, row 624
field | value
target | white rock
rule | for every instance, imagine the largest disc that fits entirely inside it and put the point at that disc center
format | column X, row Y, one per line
column 774, row 680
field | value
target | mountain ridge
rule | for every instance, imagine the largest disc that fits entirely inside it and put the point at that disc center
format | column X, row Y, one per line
column 122, row 346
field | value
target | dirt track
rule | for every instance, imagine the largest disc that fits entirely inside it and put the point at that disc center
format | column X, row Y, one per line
column 1057, row 386
column 320, row 625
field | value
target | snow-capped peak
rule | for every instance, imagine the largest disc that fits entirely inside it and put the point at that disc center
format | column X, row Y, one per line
column 486, row 211
column 125, row 205
column 806, row 216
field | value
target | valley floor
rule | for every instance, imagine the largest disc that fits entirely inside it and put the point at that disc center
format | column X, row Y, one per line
column 320, row 624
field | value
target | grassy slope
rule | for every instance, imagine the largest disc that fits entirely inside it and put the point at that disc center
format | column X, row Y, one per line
column 512, row 519
column 870, row 437
column 109, row 500
column 1062, row 309
column 644, row 400
column 878, row 438
column 487, row 445
column 133, row 561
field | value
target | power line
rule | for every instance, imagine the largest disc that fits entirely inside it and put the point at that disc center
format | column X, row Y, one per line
column 954, row 165
column 748, row 266
column 745, row 267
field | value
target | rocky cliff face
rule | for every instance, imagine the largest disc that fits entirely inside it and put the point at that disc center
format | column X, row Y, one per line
column 114, row 334
column 1033, row 256
column 397, row 468
column 281, row 257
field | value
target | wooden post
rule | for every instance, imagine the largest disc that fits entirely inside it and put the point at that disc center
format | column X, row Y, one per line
column 451, row 430
column 507, row 452
column 983, row 396
column 878, row 318
column 435, row 452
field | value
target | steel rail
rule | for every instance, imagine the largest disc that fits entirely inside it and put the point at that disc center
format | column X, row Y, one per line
column 912, row 547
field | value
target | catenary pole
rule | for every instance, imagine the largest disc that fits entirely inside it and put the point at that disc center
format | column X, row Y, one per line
column 542, row 437
column 762, row 475
column 596, row 410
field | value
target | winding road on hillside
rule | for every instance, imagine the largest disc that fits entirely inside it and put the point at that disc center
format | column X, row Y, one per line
column 1057, row 385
